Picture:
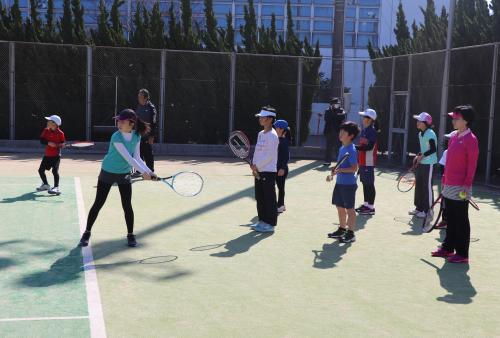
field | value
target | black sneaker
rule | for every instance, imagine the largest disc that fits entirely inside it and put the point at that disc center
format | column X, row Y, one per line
column 367, row 211
column 131, row 240
column 337, row 234
column 348, row 237
column 84, row 241
column 361, row 208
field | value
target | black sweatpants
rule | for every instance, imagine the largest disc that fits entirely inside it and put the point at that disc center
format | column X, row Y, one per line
column 280, row 183
column 332, row 141
column 50, row 162
column 458, row 230
column 147, row 154
column 424, row 195
column 100, row 198
column 265, row 194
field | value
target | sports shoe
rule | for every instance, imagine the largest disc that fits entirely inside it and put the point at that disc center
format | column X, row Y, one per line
column 367, row 211
column 131, row 240
column 255, row 225
column 327, row 163
column 54, row 191
column 441, row 225
column 440, row 252
column 84, row 241
column 338, row 233
column 348, row 237
column 136, row 174
column 264, row 227
column 281, row 209
column 361, row 207
column 43, row 187
column 458, row 259
column 420, row 214
column 413, row 212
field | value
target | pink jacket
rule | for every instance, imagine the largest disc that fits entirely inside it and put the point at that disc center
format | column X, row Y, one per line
column 461, row 159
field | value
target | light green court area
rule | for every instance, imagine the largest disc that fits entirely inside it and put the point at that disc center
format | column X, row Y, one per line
column 199, row 271
column 40, row 268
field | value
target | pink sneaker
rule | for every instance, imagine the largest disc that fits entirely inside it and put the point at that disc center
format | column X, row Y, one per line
column 440, row 252
column 458, row 259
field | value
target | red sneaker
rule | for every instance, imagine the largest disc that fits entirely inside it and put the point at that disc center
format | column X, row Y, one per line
column 441, row 225
column 440, row 252
column 458, row 259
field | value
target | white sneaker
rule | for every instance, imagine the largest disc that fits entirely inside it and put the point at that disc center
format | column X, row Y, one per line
column 420, row 214
column 54, row 191
column 281, row 209
column 413, row 212
column 264, row 227
column 255, row 225
column 43, row 187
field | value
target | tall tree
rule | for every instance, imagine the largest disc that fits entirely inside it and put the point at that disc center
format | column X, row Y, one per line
column 4, row 28
column 33, row 23
column 174, row 40
column 189, row 38
column 49, row 29
column 66, row 26
column 79, row 36
column 116, row 27
column 293, row 44
column 103, row 35
column 495, row 9
column 249, row 30
column 210, row 36
column 16, row 22
column 401, row 30
column 157, row 28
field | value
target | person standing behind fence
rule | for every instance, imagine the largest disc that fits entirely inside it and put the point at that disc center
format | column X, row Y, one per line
column 146, row 111
column 334, row 117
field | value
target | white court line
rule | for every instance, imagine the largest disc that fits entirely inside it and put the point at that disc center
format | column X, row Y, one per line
column 96, row 317
column 42, row 318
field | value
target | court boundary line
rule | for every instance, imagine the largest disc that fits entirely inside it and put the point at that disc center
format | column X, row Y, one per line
column 42, row 318
column 96, row 316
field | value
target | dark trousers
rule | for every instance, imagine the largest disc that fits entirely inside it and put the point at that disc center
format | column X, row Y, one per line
column 265, row 194
column 369, row 193
column 147, row 154
column 280, row 183
column 332, row 141
column 100, row 198
column 47, row 164
column 458, row 230
column 424, row 195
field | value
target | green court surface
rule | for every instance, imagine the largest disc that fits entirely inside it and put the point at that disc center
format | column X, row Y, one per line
column 199, row 271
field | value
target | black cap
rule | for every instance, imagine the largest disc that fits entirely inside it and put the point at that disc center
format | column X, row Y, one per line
column 335, row 100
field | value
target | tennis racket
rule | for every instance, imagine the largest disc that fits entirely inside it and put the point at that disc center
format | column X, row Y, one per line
column 240, row 146
column 428, row 225
column 406, row 182
column 184, row 183
column 339, row 163
column 78, row 144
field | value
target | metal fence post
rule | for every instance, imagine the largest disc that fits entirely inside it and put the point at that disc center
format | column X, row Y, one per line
column 88, row 107
column 232, row 90
column 363, row 86
column 161, row 113
column 391, row 111
column 298, row 110
column 12, row 90
column 407, row 113
column 492, row 112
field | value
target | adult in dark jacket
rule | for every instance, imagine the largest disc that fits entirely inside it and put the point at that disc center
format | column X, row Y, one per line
column 146, row 111
column 334, row 117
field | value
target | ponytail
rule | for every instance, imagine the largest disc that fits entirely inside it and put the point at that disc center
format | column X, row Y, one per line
column 142, row 127
column 376, row 125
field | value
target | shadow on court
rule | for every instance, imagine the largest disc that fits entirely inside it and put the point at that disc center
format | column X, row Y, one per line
column 415, row 224
column 67, row 268
column 242, row 244
column 6, row 262
column 332, row 253
column 455, row 280
column 30, row 196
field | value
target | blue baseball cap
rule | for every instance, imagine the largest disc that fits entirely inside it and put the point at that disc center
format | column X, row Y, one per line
column 281, row 124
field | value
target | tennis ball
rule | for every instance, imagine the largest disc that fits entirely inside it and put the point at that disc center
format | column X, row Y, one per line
column 462, row 195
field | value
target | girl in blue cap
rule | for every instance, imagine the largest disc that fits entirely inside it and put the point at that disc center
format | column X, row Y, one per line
column 285, row 138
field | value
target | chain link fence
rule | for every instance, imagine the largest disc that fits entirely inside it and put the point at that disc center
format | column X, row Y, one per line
column 201, row 96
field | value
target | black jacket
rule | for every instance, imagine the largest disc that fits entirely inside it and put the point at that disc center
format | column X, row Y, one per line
column 147, row 113
column 333, row 119
column 283, row 153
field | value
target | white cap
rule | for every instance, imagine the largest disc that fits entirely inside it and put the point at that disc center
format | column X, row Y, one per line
column 54, row 118
column 266, row 113
column 423, row 117
column 369, row 113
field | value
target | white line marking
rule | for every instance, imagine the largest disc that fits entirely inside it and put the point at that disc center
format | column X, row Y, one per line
column 42, row 318
column 96, row 317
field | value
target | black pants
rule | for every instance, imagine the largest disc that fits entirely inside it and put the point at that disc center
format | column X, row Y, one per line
column 265, row 194
column 424, row 195
column 100, row 198
column 458, row 230
column 369, row 193
column 332, row 141
column 280, row 183
column 47, row 164
column 147, row 154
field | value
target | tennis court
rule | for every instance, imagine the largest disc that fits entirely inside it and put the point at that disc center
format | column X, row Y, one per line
column 199, row 271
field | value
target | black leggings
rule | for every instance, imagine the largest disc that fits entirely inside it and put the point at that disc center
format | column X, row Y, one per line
column 280, row 183
column 458, row 231
column 369, row 193
column 100, row 198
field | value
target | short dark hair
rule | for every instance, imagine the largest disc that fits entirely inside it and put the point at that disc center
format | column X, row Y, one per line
column 144, row 93
column 351, row 128
column 468, row 113
column 269, row 108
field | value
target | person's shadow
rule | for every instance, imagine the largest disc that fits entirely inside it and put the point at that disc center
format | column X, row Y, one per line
column 6, row 262
column 242, row 244
column 29, row 196
column 332, row 253
column 454, row 279
column 63, row 270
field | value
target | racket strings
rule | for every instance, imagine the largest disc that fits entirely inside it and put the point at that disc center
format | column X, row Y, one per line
column 187, row 184
column 239, row 146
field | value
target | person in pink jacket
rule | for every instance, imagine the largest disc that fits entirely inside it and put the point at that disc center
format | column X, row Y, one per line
column 459, row 171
